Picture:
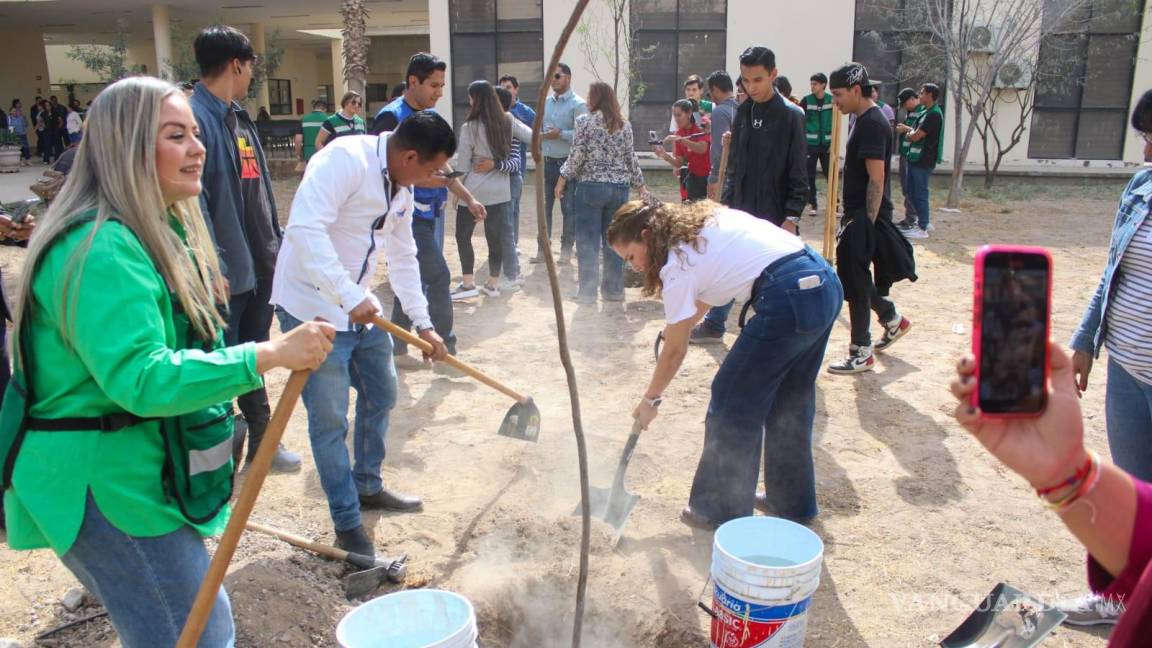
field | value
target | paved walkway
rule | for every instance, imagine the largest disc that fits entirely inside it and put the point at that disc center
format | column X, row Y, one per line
column 14, row 186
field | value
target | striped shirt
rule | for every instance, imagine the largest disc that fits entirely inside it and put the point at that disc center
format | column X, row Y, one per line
column 1128, row 333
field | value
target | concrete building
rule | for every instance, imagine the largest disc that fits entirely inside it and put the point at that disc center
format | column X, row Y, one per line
column 1078, row 122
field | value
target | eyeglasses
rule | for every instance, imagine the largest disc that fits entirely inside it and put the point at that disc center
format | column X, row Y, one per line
column 558, row 75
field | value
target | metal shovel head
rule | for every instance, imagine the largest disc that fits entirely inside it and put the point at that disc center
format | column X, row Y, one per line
column 1007, row 618
column 614, row 506
column 522, row 422
column 387, row 570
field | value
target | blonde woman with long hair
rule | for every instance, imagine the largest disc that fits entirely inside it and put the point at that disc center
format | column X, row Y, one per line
column 700, row 255
column 116, row 429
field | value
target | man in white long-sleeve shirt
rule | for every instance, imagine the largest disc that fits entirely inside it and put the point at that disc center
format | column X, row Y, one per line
column 354, row 202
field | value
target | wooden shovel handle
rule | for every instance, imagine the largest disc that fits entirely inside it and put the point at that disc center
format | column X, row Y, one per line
column 416, row 341
column 241, row 510
column 299, row 541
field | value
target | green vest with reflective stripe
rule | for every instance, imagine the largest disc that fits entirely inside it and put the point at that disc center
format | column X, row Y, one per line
column 311, row 125
column 339, row 126
column 911, row 120
column 818, row 120
column 916, row 149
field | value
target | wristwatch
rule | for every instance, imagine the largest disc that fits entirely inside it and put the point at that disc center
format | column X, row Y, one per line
column 652, row 402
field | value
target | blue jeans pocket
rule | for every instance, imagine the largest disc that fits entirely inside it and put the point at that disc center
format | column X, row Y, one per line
column 811, row 307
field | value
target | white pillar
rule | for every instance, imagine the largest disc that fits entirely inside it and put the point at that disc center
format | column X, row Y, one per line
column 339, row 87
column 162, row 35
column 259, row 44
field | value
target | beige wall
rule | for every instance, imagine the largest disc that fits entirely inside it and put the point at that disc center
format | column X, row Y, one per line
column 388, row 60
column 29, row 76
column 440, row 44
column 300, row 66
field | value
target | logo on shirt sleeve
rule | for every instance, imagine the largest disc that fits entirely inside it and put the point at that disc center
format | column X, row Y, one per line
column 249, row 168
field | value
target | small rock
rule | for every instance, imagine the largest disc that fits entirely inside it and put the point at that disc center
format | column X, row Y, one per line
column 73, row 599
column 9, row 643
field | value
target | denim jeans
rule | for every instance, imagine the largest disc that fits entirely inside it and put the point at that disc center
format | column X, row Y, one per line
column 249, row 320
column 516, row 183
column 909, row 208
column 764, row 396
column 435, row 280
column 146, row 584
column 497, row 233
column 567, row 207
column 360, row 359
column 438, row 227
column 716, row 318
column 1128, row 414
column 596, row 203
column 918, row 177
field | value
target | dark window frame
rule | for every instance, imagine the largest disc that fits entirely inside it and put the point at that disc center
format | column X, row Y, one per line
column 275, row 108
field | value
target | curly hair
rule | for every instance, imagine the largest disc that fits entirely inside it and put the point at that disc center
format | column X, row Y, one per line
column 667, row 225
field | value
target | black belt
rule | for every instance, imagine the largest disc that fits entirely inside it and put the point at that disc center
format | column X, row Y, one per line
column 775, row 265
column 106, row 423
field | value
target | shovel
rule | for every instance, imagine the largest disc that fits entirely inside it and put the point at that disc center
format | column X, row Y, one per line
column 615, row 504
column 373, row 573
column 522, row 420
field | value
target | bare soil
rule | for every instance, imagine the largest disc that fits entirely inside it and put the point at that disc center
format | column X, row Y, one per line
column 919, row 523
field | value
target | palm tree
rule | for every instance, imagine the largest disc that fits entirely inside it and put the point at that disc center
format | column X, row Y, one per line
column 356, row 44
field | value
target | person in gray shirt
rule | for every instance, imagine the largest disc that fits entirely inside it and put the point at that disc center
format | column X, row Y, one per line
column 723, row 112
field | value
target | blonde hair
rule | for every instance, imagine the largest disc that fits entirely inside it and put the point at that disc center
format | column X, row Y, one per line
column 668, row 226
column 115, row 174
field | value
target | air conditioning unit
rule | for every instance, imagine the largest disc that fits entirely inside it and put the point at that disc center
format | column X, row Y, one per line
column 1014, row 74
column 983, row 38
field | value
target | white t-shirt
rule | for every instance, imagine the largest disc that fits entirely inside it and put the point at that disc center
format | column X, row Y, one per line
column 735, row 247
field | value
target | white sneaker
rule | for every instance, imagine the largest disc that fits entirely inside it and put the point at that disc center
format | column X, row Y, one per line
column 1091, row 609
column 461, row 292
column 914, row 233
column 930, row 228
column 512, row 285
column 491, row 291
column 859, row 360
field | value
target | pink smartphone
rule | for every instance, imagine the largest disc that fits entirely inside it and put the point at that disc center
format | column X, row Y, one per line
column 1010, row 330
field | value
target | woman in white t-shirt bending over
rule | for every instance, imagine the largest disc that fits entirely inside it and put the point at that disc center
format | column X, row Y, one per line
column 699, row 255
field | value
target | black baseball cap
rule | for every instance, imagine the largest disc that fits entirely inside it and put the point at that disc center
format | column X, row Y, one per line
column 850, row 74
column 906, row 94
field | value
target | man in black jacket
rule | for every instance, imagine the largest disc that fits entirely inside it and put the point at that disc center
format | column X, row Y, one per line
column 767, row 172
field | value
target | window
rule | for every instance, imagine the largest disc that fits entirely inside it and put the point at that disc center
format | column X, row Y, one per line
column 377, row 92
column 1084, row 83
column 279, row 96
column 892, row 42
column 672, row 40
column 491, row 38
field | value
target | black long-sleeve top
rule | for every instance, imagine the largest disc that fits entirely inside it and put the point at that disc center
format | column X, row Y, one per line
column 767, row 174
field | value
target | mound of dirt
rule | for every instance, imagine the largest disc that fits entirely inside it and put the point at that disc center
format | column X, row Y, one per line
column 291, row 602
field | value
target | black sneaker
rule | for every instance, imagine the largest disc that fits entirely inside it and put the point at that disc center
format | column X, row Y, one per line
column 893, row 333
column 704, row 334
column 859, row 360
column 356, row 541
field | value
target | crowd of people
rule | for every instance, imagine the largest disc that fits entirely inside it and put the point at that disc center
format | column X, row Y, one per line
column 57, row 127
column 168, row 231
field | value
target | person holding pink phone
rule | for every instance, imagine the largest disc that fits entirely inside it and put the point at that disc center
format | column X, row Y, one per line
column 1119, row 318
column 1108, row 510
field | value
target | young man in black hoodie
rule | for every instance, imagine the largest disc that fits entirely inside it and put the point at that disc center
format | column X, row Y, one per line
column 767, row 159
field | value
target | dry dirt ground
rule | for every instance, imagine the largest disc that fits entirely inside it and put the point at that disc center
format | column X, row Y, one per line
column 919, row 523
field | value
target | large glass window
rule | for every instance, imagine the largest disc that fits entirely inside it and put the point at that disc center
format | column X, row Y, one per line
column 673, row 39
column 1084, row 82
column 891, row 40
column 279, row 96
column 491, row 38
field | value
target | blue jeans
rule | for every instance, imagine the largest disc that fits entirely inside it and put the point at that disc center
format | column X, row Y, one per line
column 516, row 183
column 146, row 584
column 435, row 280
column 1128, row 414
column 596, row 203
column 764, row 395
column 918, row 177
column 439, row 227
column 717, row 317
column 567, row 208
column 360, row 359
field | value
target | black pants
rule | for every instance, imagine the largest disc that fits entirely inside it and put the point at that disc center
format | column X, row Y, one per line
column 435, row 279
column 493, row 229
column 696, row 186
column 249, row 318
column 816, row 155
column 855, row 251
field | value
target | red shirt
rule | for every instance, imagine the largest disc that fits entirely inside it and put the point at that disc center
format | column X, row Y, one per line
column 699, row 164
column 1134, row 585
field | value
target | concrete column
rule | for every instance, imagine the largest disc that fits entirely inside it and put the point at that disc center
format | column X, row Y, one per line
column 339, row 87
column 259, row 44
column 162, row 35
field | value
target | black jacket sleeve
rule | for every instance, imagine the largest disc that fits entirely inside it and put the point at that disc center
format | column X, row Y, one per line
column 386, row 122
column 797, row 194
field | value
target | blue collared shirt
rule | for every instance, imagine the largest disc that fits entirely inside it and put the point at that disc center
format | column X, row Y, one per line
column 561, row 112
column 527, row 116
column 1133, row 210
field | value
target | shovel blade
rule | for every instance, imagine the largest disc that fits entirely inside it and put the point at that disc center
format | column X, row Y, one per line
column 613, row 506
column 522, row 422
column 362, row 583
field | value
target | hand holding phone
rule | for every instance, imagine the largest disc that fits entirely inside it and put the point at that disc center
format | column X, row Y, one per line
column 1010, row 330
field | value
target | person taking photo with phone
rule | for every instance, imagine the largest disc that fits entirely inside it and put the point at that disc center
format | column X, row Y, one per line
column 690, row 151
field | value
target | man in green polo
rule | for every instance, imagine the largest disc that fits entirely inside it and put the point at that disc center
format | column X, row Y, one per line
column 310, row 127
column 818, row 117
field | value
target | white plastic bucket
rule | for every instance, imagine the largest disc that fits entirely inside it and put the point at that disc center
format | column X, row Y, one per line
column 765, row 570
column 419, row 618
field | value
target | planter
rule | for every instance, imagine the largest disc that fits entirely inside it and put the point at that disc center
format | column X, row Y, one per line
column 9, row 159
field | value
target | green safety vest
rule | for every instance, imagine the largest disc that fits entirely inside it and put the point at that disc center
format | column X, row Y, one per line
column 911, row 120
column 916, row 149
column 818, row 120
column 311, row 125
column 340, row 126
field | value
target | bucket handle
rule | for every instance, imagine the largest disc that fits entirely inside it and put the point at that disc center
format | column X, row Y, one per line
column 701, row 604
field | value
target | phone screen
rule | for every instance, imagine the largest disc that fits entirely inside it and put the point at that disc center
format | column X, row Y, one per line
column 1014, row 333
column 652, row 139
